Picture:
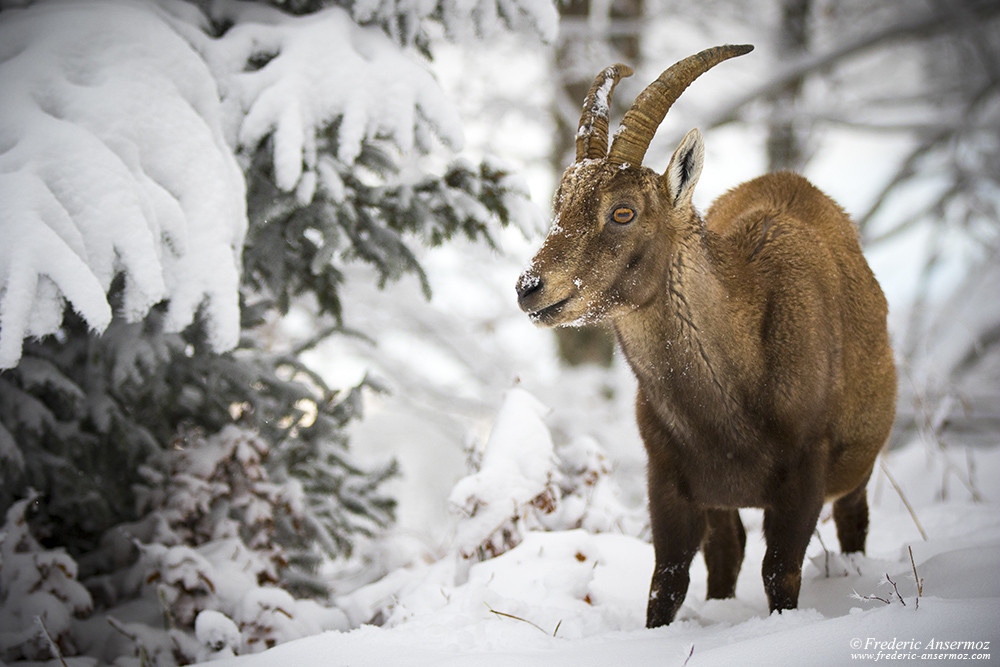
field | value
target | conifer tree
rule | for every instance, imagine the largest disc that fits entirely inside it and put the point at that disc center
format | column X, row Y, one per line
column 129, row 344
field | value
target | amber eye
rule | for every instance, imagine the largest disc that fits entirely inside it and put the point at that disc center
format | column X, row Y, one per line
column 623, row 215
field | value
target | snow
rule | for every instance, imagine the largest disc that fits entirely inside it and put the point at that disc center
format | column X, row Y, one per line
column 516, row 468
column 217, row 633
column 570, row 580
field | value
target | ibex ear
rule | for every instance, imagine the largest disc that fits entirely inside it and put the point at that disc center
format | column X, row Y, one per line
column 684, row 169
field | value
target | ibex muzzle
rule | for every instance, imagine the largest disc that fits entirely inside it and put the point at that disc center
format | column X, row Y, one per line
column 757, row 335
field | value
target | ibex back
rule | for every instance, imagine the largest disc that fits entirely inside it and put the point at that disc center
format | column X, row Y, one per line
column 757, row 334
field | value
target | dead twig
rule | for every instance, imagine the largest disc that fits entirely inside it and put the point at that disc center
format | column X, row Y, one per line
column 53, row 647
column 917, row 580
column 895, row 590
column 523, row 620
column 858, row 596
column 145, row 660
column 826, row 553
column 902, row 496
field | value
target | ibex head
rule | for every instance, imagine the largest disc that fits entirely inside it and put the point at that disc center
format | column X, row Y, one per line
column 615, row 219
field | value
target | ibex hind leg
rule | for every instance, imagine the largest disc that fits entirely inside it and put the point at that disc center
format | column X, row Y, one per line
column 787, row 531
column 850, row 513
column 723, row 547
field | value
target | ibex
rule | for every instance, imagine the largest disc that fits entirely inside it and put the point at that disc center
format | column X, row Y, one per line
column 757, row 335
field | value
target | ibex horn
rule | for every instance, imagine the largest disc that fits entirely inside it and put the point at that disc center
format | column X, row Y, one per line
column 647, row 112
column 592, row 134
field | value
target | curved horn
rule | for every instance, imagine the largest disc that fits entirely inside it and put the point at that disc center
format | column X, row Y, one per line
column 647, row 112
column 592, row 133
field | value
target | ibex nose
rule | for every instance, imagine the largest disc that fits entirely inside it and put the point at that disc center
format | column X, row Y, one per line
column 527, row 284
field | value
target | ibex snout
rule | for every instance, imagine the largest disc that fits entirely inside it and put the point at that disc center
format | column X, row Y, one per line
column 528, row 284
column 538, row 302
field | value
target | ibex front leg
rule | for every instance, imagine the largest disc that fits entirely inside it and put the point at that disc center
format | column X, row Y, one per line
column 678, row 527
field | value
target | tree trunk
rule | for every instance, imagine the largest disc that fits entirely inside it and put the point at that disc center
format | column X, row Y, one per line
column 786, row 143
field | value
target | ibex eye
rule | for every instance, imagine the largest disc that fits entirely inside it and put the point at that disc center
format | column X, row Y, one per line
column 623, row 215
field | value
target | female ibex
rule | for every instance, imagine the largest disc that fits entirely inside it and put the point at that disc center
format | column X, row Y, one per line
column 757, row 335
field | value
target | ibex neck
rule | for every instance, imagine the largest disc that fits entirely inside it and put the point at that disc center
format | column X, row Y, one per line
column 694, row 337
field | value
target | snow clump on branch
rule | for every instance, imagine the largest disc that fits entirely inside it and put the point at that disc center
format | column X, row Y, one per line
column 114, row 163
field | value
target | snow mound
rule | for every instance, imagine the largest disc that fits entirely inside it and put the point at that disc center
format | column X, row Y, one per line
column 515, row 473
column 113, row 163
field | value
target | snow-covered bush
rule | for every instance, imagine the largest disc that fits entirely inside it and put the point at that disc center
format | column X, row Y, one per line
column 413, row 22
column 209, row 554
column 39, row 593
column 523, row 482
column 121, row 158
column 85, row 413
column 205, row 490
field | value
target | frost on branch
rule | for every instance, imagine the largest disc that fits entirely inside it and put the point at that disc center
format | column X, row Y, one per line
column 112, row 163
column 406, row 21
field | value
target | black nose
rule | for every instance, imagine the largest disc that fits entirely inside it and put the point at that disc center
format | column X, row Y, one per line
column 527, row 284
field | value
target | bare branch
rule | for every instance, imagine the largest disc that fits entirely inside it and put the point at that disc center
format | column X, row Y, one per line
column 895, row 590
column 926, row 24
column 908, row 168
column 972, row 27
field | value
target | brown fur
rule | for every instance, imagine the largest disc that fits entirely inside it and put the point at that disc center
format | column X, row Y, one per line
column 758, row 338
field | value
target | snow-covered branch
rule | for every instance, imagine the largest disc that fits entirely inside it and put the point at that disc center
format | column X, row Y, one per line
column 114, row 164
column 291, row 78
